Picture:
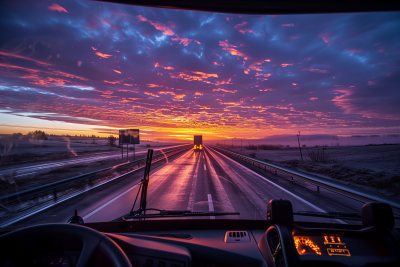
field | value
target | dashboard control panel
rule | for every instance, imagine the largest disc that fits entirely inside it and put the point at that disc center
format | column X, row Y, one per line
column 338, row 244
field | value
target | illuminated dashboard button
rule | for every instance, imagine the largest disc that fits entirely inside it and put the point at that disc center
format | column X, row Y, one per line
column 338, row 252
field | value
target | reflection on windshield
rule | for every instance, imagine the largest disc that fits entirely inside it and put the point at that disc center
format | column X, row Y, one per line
column 238, row 109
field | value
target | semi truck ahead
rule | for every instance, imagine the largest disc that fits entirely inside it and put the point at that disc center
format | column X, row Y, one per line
column 198, row 142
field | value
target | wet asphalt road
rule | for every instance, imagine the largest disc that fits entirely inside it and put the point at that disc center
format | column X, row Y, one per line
column 197, row 181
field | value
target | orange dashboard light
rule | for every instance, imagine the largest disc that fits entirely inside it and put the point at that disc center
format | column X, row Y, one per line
column 332, row 240
column 338, row 252
column 305, row 245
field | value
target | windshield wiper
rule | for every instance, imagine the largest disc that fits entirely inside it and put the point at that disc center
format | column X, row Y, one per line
column 143, row 185
column 333, row 214
column 178, row 213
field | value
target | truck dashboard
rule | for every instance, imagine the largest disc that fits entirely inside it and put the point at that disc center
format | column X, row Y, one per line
column 202, row 242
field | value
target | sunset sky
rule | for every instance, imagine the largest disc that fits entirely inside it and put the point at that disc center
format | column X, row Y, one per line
column 88, row 67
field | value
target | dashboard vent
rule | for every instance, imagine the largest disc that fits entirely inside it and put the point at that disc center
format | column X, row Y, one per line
column 236, row 237
column 279, row 261
column 275, row 248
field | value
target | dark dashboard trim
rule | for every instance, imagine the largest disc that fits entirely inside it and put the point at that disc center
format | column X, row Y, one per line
column 196, row 224
column 201, row 224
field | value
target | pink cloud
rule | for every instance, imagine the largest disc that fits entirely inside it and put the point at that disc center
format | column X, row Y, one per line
column 151, row 94
column 55, row 7
column 354, row 50
column 315, row 70
column 291, row 38
column 224, row 90
column 284, row 65
column 372, row 82
column 288, row 25
column 241, row 30
column 103, row 55
column 108, row 22
column 154, row 85
column 313, row 98
column 159, row 26
column 167, row 67
column 326, row 36
column 232, row 49
column 8, row 54
column 185, row 41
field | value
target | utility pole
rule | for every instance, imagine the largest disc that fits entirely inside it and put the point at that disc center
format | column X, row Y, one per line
column 232, row 143
column 241, row 144
column 298, row 140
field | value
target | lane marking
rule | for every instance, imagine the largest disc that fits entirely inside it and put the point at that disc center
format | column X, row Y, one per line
column 219, row 188
column 274, row 184
column 205, row 168
column 194, row 182
column 210, row 205
column 109, row 202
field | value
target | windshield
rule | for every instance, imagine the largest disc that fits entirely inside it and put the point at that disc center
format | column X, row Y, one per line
column 238, row 109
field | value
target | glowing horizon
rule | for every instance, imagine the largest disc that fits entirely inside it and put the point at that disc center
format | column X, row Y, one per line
column 98, row 67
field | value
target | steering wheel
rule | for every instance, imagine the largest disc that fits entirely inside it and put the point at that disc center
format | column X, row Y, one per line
column 91, row 239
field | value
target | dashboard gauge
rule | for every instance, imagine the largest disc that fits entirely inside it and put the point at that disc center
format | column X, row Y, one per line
column 305, row 246
column 60, row 261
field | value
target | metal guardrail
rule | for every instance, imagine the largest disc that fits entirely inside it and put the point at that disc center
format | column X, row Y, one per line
column 330, row 186
column 24, row 202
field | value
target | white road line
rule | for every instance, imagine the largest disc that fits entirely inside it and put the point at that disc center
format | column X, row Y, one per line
column 109, row 202
column 210, row 205
column 194, row 182
column 222, row 196
column 274, row 184
column 205, row 168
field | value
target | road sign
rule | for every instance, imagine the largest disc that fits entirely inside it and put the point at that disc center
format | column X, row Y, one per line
column 129, row 136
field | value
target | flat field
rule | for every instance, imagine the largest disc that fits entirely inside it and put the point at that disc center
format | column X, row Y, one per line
column 373, row 167
column 26, row 150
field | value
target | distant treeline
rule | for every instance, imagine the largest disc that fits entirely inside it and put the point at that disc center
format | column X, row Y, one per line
column 36, row 135
column 41, row 135
column 376, row 135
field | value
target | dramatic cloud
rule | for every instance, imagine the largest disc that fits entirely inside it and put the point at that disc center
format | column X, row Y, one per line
column 186, row 72
column 56, row 7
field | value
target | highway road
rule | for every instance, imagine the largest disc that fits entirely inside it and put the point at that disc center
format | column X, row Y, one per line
column 20, row 170
column 197, row 181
